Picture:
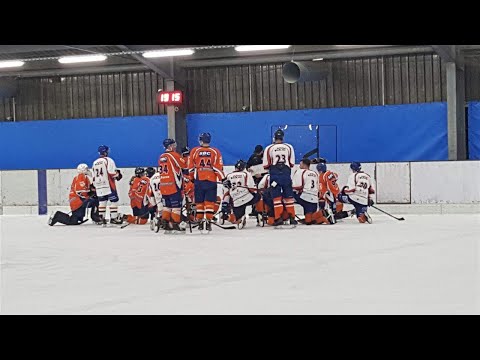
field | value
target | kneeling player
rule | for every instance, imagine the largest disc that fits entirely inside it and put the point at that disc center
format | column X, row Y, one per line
column 80, row 198
column 137, row 194
column 240, row 188
column 358, row 192
column 266, row 206
column 305, row 184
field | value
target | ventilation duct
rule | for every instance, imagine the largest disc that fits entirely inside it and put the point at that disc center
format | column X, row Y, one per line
column 301, row 71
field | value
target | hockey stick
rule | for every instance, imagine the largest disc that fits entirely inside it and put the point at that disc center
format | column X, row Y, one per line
column 386, row 213
column 224, row 227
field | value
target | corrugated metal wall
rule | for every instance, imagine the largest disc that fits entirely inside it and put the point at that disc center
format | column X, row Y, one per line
column 88, row 96
column 357, row 82
column 472, row 78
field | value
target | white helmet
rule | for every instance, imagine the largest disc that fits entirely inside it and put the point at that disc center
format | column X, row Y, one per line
column 82, row 169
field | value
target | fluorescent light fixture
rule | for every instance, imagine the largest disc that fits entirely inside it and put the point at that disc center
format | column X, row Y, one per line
column 11, row 64
column 319, row 59
column 168, row 53
column 81, row 59
column 260, row 47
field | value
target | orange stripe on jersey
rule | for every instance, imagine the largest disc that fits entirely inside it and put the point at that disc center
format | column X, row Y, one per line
column 170, row 165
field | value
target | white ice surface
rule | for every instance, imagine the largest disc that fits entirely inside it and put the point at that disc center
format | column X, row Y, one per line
column 425, row 265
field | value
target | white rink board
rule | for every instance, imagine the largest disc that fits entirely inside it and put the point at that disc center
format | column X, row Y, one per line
column 446, row 182
column 19, row 187
column 58, row 186
column 393, row 181
column 1, row 198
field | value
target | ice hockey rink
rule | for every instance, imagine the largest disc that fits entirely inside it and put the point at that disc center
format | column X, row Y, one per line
column 427, row 264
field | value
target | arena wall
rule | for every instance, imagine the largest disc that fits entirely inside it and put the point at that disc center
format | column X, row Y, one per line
column 408, row 187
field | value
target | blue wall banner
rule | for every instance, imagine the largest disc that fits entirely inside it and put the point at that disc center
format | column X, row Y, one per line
column 474, row 130
column 416, row 132
column 63, row 144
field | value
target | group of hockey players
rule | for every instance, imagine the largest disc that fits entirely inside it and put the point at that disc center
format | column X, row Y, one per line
column 182, row 191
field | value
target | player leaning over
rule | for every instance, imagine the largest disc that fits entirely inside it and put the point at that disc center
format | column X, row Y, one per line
column 358, row 192
column 279, row 159
column 81, row 197
column 206, row 165
column 138, row 199
column 105, row 173
column 241, row 189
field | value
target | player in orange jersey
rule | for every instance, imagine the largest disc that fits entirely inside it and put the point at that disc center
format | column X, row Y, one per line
column 171, row 166
column 138, row 199
column 206, row 166
column 80, row 198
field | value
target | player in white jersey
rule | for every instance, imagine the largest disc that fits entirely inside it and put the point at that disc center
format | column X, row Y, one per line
column 279, row 159
column 239, row 188
column 155, row 201
column 358, row 192
column 104, row 175
column 306, row 186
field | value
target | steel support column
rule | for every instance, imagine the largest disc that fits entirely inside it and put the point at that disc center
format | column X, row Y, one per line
column 457, row 142
column 177, row 119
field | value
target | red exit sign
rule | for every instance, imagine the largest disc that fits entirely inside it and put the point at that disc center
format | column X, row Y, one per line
column 170, row 97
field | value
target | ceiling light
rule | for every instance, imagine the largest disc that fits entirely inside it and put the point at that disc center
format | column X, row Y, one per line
column 81, row 59
column 319, row 59
column 168, row 53
column 260, row 47
column 11, row 64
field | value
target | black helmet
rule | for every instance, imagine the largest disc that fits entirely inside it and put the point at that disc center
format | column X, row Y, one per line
column 279, row 134
column 150, row 171
column 240, row 165
column 139, row 172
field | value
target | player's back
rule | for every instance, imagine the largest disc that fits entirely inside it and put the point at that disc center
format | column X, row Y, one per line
column 154, row 189
column 307, row 181
column 206, row 163
column 170, row 165
column 240, row 180
column 359, row 187
column 138, row 191
column 279, row 155
column 103, row 170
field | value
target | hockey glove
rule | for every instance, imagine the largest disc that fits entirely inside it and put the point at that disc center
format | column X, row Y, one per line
column 371, row 202
column 119, row 175
column 227, row 183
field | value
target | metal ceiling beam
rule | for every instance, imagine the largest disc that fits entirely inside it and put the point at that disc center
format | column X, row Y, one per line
column 21, row 49
column 448, row 53
column 327, row 55
column 76, row 71
column 162, row 71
